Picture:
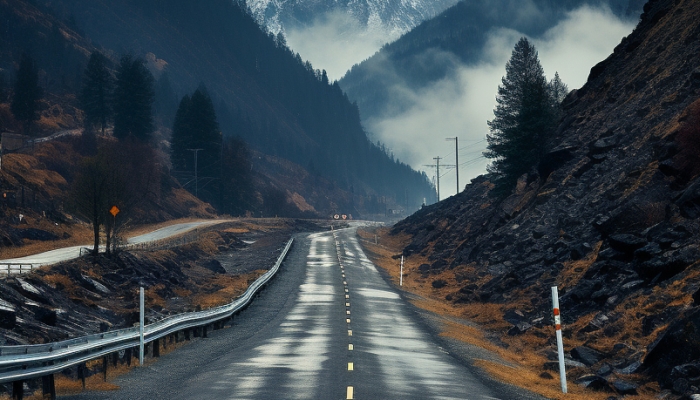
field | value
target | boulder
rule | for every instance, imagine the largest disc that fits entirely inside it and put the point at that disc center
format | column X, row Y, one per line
column 8, row 318
column 689, row 202
column 594, row 382
column 679, row 344
column 214, row 266
column 626, row 242
column 624, row 387
column 586, row 355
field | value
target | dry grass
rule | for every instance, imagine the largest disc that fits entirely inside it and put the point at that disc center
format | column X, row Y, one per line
column 226, row 289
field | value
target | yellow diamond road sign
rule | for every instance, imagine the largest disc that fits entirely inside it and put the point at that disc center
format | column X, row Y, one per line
column 114, row 211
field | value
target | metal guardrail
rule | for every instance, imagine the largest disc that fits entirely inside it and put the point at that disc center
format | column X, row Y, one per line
column 33, row 361
column 15, row 269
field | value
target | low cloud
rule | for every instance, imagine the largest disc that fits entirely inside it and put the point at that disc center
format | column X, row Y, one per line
column 460, row 105
column 336, row 41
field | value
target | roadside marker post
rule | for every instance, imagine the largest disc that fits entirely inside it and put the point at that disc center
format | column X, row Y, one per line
column 141, row 301
column 401, row 273
column 560, row 343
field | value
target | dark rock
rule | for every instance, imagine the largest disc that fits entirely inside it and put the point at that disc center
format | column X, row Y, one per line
column 626, row 243
column 668, row 168
column 669, row 264
column 46, row 316
column 539, row 231
column 630, row 369
column 586, row 355
column 680, row 386
column 424, row 268
column 439, row 283
column 37, row 234
column 214, row 266
column 546, row 375
column 689, row 201
column 514, row 317
column 8, row 318
column 690, row 372
column 603, row 145
column 648, row 252
column 594, row 382
column 605, row 370
column 520, row 327
column 679, row 344
column 623, row 387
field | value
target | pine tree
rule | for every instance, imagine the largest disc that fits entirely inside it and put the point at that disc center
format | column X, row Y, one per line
column 558, row 90
column 27, row 93
column 523, row 118
column 181, row 138
column 196, row 127
column 133, row 100
column 96, row 92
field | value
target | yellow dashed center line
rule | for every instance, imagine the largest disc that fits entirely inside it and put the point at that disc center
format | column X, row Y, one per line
column 351, row 366
column 349, row 332
column 351, row 347
column 351, row 393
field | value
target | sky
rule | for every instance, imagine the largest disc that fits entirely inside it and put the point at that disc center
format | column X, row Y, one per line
column 461, row 105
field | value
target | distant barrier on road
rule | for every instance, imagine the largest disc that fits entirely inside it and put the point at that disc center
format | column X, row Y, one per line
column 16, row 269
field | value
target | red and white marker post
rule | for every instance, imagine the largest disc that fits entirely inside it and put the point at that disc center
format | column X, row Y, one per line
column 560, row 342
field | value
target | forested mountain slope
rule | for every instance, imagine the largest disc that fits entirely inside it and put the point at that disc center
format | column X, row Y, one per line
column 610, row 216
column 264, row 93
column 437, row 47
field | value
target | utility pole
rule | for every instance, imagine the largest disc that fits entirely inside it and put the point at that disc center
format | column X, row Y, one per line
column 456, row 159
column 196, row 183
column 437, row 174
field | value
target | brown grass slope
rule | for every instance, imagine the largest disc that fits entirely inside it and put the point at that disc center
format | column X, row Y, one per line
column 610, row 216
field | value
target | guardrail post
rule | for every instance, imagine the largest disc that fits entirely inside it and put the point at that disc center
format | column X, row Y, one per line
column 17, row 390
column 141, row 308
column 49, row 386
column 81, row 374
column 105, row 362
column 156, row 348
column 204, row 331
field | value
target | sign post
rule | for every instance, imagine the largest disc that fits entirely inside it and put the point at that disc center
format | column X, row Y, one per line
column 560, row 343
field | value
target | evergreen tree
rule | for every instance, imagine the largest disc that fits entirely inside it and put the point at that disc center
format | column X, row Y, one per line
column 523, row 118
column 558, row 90
column 133, row 100
column 181, row 137
column 27, row 93
column 96, row 92
column 196, row 127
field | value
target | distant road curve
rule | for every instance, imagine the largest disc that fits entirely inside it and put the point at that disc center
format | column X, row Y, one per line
column 69, row 253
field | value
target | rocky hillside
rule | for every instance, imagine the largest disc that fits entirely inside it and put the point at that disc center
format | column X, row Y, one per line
column 610, row 216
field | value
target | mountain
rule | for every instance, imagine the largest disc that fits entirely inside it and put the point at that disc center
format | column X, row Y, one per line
column 610, row 217
column 263, row 92
column 392, row 16
column 436, row 48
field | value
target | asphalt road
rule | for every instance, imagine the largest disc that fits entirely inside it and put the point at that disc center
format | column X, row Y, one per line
column 327, row 327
